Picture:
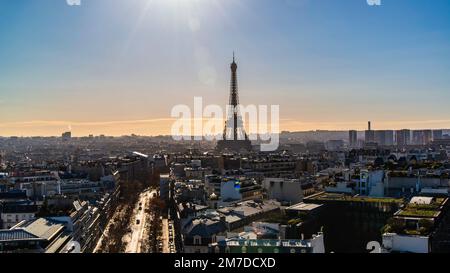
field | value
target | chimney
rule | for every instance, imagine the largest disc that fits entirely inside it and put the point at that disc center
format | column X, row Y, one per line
column 370, row 126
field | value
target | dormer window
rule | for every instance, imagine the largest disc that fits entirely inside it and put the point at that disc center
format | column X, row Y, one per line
column 197, row 240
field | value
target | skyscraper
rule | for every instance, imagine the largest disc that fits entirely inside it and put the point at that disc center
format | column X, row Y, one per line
column 438, row 134
column 422, row 137
column 418, row 137
column 384, row 137
column 235, row 138
column 369, row 134
column 428, row 136
column 403, row 137
column 353, row 138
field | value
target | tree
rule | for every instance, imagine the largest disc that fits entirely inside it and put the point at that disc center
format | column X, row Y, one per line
column 395, row 225
column 426, row 225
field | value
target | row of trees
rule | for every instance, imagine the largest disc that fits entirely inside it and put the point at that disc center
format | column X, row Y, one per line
column 155, row 209
column 121, row 220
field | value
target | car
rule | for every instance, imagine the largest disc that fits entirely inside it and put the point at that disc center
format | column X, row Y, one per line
column 138, row 222
column 140, row 208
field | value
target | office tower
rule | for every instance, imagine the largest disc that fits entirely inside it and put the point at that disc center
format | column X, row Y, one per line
column 427, row 136
column 353, row 138
column 418, row 137
column 369, row 134
column 438, row 134
column 422, row 137
column 234, row 136
column 384, row 137
column 403, row 137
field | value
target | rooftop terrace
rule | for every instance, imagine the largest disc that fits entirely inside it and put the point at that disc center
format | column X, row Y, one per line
column 430, row 210
column 326, row 196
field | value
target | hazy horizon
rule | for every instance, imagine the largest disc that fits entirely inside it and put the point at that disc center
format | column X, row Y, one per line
column 74, row 134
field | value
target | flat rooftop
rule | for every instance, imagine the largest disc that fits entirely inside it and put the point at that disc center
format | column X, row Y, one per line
column 421, row 207
column 268, row 243
column 328, row 196
column 304, row 207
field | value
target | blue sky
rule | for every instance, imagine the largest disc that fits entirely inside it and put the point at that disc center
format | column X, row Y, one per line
column 329, row 64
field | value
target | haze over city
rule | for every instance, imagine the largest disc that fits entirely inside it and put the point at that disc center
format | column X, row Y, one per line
column 224, row 135
column 118, row 67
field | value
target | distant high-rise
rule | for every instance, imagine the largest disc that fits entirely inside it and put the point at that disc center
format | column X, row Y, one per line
column 384, row 137
column 428, row 136
column 438, row 134
column 403, row 137
column 418, row 137
column 235, row 138
column 422, row 137
column 369, row 134
column 66, row 136
column 353, row 138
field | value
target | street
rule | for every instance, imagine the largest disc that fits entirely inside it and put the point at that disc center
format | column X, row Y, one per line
column 139, row 221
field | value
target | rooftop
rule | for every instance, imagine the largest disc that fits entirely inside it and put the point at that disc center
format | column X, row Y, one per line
column 39, row 229
column 423, row 207
column 327, row 196
column 267, row 243
column 16, row 235
column 304, row 207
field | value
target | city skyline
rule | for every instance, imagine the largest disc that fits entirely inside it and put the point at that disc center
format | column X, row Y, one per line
column 116, row 69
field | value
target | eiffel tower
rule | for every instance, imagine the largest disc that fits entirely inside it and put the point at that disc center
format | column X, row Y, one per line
column 235, row 139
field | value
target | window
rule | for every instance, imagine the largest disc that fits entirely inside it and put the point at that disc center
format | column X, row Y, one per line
column 197, row 240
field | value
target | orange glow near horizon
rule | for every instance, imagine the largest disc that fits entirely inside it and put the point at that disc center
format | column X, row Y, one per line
column 162, row 126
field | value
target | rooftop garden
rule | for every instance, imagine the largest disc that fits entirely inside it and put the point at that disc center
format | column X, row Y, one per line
column 403, row 224
column 418, row 212
column 423, row 210
column 283, row 219
column 395, row 225
column 349, row 198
